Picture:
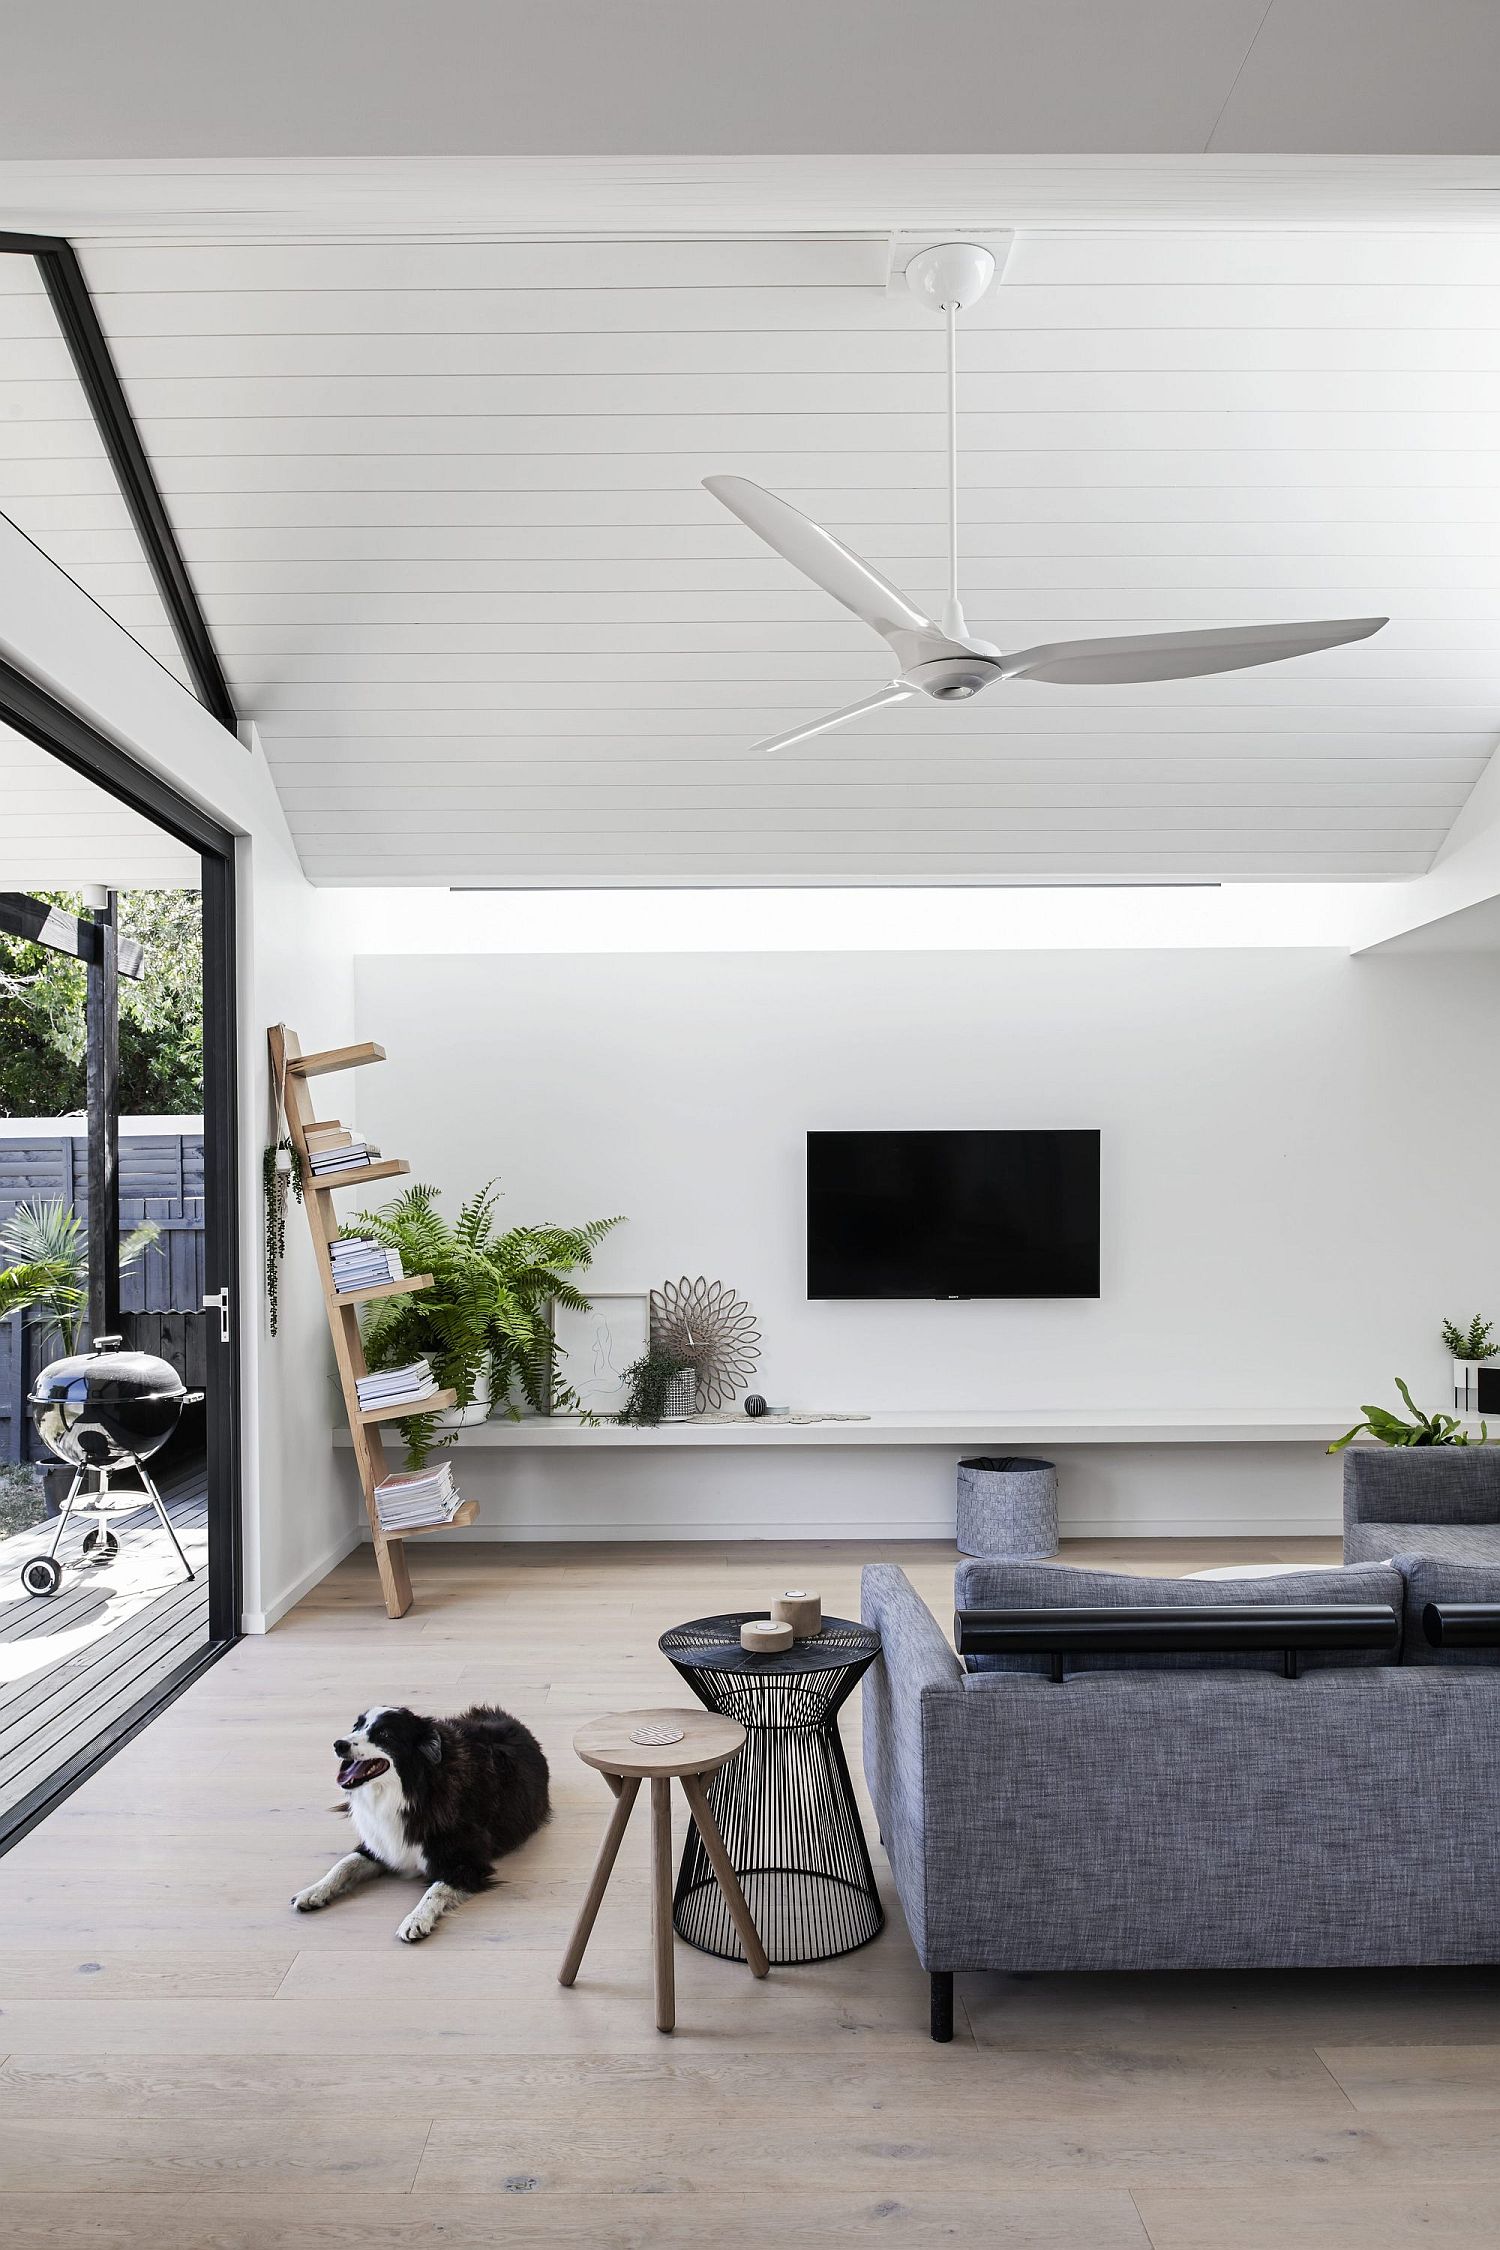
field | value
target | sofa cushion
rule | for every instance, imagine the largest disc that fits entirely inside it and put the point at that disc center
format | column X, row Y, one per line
column 1434, row 1577
column 1453, row 1542
column 988, row 1584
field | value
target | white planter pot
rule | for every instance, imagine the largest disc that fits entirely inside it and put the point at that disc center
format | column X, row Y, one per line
column 469, row 1417
column 1466, row 1384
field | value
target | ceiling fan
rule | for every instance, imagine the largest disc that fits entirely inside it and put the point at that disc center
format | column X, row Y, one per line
column 945, row 660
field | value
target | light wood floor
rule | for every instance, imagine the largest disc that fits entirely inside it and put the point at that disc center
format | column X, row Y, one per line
column 187, row 2064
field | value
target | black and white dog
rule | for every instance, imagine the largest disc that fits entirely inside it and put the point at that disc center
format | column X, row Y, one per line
column 440, row 1798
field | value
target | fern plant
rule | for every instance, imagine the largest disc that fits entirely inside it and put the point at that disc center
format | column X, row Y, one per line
column 487, row 1309
column 50, row 1271
column 1422, row 1429
column 1477, row 1341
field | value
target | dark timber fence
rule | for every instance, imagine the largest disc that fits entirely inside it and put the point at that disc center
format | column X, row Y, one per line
column 161, row 1178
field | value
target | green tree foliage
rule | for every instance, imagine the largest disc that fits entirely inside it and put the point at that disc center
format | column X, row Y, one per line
column 42, row 1066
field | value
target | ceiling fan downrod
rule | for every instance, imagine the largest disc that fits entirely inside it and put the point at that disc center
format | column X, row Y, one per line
column 947, row 280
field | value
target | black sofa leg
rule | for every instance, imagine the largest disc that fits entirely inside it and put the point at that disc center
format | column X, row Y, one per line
column 942, row 2005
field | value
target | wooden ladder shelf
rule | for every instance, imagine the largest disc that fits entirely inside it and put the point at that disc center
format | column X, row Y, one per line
column 291, row 1070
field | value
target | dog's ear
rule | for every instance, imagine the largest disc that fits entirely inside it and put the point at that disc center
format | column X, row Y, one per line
column 431, row 1747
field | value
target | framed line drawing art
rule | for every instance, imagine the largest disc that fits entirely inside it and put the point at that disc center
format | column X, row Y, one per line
column 594, row 1349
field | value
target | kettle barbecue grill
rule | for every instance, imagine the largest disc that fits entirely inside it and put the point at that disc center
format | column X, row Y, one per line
column 105, row 1411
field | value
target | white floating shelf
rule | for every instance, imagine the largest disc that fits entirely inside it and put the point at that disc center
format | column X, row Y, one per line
column 964, row 1429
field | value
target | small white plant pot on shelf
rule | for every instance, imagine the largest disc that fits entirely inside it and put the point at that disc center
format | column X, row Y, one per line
column 1466, row 1384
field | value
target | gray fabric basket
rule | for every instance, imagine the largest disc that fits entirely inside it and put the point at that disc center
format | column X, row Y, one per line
column 1007, row 1505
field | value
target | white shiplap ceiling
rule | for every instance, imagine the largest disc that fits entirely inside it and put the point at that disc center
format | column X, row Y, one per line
column 60, row 830
column 442, row 504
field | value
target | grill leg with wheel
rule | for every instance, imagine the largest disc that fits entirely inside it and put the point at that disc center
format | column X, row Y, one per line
column 42, row 1575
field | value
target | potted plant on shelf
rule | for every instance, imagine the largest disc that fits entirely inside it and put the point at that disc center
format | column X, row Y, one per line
column 663, row 1388
column 1469, row 1347
column 484, row 1324
column 1422, row 1429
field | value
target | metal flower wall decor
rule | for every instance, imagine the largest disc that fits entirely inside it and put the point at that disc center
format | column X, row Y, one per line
column 705, row 1323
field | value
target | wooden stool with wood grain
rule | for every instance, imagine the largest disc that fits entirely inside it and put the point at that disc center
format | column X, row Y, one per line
column 661, row 1747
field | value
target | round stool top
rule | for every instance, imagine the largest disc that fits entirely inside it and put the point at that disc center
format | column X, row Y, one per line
column 706, row 1742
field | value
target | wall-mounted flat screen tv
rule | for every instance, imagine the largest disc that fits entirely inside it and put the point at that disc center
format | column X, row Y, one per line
column 1011, row 1214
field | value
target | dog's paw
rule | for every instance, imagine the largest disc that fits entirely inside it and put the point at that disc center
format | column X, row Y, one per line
column 308, row 1901
column 414, row 1928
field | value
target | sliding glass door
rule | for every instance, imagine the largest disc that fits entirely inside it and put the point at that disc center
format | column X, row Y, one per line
column 119, row 1541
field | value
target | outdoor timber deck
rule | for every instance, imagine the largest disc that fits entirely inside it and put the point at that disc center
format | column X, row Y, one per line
column 71, row 1664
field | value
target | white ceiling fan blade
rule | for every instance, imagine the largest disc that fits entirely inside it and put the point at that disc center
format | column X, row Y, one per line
column 1181, row 656
column 826, row 561
column 895, row 693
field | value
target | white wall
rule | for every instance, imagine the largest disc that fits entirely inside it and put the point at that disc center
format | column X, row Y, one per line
column 294, row 962
column 1290, row 1193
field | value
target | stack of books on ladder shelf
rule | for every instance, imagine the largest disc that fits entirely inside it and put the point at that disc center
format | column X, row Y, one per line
column 397, row 1386
column 333, row 1148
column 416, row 1496
column 360, row 1264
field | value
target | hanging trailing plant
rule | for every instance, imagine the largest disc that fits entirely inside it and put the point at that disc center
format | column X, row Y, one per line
column 649, row 1382
column 276, row 1178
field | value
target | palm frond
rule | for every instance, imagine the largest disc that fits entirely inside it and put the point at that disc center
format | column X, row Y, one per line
column 45, row 1234
column 22, row 1286
column 137, row 1243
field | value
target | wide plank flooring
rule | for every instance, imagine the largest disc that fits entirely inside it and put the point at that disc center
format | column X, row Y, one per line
column 184, row 2062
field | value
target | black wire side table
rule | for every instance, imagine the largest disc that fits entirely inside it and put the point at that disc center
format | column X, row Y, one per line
column 784, row 1804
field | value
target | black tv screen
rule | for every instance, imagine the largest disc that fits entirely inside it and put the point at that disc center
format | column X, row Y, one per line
column 953, row 1214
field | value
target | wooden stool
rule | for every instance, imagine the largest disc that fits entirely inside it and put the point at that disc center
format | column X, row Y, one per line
column 705, row 1741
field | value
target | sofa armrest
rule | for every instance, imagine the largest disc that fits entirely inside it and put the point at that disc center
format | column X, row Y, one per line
column 1422, row 1484
column 916, row 1663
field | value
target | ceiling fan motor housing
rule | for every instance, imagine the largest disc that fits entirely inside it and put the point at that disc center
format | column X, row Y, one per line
column 950, row 679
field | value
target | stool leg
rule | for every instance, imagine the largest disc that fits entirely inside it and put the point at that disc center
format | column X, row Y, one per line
column 661, row 1903
column 625, row 1796
column 729, row 1882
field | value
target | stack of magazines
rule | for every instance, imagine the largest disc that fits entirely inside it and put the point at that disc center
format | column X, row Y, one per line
column 416, row 1496
column 338, row 1151
column 361, row 1264
column 396, row 1386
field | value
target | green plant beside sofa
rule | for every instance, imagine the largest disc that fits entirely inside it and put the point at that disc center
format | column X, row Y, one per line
column 1422, row 1429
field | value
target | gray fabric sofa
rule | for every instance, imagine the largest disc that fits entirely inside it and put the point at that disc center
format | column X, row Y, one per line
column 1196, row 1812
column 1439, row 1500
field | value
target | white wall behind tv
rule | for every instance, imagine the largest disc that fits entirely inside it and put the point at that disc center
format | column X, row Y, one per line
column 1293, row 1196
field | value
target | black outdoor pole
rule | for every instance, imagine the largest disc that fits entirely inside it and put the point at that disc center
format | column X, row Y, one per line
column 103, row 1027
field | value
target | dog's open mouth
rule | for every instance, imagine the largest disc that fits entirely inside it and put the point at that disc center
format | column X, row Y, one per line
column 354, row 1772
